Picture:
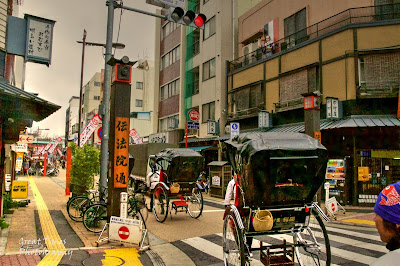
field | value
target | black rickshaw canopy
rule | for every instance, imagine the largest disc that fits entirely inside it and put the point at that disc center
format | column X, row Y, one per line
column 277, row 168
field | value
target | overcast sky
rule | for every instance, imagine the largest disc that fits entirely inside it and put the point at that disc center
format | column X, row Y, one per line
column 59, row 82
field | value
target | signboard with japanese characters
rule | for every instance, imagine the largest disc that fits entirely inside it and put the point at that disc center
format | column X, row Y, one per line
column 125, row 230
column 58, row 140
column 135, row 136
column 89, row 129
column 333, row 108
column 39, row 39
column 264, row 119
column 121, row 153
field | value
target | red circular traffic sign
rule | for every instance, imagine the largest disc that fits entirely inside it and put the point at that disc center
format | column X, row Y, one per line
column 194, row 115
column 100, row 132
column 123, row 232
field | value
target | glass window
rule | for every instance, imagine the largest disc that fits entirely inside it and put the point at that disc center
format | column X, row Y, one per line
column 139, row 85
column 139, row 103
column 170, row 58
column 208, row 112
column 209, row 28
column 295, row 28
column 97, row 84
column 209, row 69
column 97, row 98
column 169, row 90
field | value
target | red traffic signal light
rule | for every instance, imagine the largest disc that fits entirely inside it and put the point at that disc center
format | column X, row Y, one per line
column 188, row 18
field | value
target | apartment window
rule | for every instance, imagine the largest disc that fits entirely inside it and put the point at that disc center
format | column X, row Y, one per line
column 139, row 103
column 209, row 69
column 194, row 47
column 246, row 100
column 97, row 84
column 167, row 123
column 169, row 90
column 170, row 57
column 196, row 8
column 139, row 85
column 167, row 29
column 387, row 9
column 97, row 98
column 193, row 77
column 208, row 112
column 209, row 28
column 295, row 28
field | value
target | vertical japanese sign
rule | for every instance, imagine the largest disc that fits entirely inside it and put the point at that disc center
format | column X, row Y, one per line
column 135, row 136
column 51, row 150
column 89, row 129
column 39, row 39
column 46, row 148
column 121, row 153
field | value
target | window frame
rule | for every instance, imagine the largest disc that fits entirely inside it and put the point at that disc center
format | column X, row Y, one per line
column 137, row 102
column 213, row 19
column 209, row 76
column 140, row 87
column 205, row 118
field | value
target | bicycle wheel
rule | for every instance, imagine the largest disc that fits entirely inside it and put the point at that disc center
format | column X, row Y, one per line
column 233, row 242
column 137, row 203
column 195, row 203
column 160, row 203
column 138, row 216
column 76, row 207
column 95, row 217
column 313, row 247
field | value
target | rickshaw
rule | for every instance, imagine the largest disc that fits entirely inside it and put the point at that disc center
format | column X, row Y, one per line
column 172, row 183
column 277, row 173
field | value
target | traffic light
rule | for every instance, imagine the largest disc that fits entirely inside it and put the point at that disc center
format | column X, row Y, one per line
column 188, row 18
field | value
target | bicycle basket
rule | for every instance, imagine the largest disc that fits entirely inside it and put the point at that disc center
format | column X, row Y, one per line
column 175, row 188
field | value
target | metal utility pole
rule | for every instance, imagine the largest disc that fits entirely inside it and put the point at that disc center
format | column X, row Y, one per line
column 106, row 96
column 81, row 88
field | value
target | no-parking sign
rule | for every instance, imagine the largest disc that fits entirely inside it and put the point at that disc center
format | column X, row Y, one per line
column 125, row 230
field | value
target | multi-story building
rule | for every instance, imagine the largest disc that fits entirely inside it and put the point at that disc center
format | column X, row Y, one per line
column 144, row 104
column 72, row 119
column 192, row 68
column 90, row 99
column 348, row 50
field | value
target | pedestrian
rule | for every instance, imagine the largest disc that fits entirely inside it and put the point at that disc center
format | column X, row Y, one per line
column 25, row 167
column 387, row 222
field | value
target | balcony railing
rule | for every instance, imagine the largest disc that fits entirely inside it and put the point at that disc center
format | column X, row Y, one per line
column 340, row 20
column 289, row 105
column 244, row 113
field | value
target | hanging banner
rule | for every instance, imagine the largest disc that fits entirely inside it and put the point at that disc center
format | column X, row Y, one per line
column 46, row 148
column 58, row 140
column 89, row 129
column 135, row 136
column 39, row 150
column 20, row 159
column 121, row 153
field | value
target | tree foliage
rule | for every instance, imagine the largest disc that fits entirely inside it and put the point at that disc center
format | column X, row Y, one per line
column 84, row 166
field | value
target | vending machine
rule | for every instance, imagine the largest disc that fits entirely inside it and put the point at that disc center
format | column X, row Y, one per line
column 336, row 176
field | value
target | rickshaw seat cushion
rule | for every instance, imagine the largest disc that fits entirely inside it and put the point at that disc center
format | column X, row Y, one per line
column 179, row 203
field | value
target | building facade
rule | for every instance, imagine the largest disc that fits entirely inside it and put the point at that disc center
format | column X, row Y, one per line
column 90, row 99
column 347, row 50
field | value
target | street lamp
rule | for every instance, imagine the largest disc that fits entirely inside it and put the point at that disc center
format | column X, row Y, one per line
column 84, row 44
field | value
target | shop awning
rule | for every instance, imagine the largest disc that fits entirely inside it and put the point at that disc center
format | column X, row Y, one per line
column 19, row 104
column 200, row 148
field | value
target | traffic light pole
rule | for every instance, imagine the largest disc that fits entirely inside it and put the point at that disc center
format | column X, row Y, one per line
column 140, row 11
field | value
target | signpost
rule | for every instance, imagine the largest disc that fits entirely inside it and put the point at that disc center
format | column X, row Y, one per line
column 194, row 116
column 125, row 230
column 25, row 138
column 235, row 129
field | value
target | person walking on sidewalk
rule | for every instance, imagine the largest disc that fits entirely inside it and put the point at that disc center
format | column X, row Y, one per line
column 387, row 222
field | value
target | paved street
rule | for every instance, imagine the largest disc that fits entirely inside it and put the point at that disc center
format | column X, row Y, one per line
column 42, row 232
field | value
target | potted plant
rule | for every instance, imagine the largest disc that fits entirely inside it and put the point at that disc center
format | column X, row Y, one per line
column 84, row 166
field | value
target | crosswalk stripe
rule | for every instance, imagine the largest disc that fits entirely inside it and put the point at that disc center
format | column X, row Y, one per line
column 205, row 246
column 353, row 233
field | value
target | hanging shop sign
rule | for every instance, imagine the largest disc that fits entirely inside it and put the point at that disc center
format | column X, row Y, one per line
column 363, row 173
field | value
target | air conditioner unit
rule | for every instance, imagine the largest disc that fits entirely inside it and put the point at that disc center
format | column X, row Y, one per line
column 172, row 123
column 249, row 48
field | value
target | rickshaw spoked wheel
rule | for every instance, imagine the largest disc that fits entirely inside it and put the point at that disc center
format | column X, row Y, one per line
column 314, row 246
column 233, row 242
column 195, row 203
column 160, row 203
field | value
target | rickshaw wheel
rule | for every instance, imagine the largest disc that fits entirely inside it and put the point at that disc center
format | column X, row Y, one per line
column 160, row 203
column 195, row 203
column 233, row 242
column 314, row 247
